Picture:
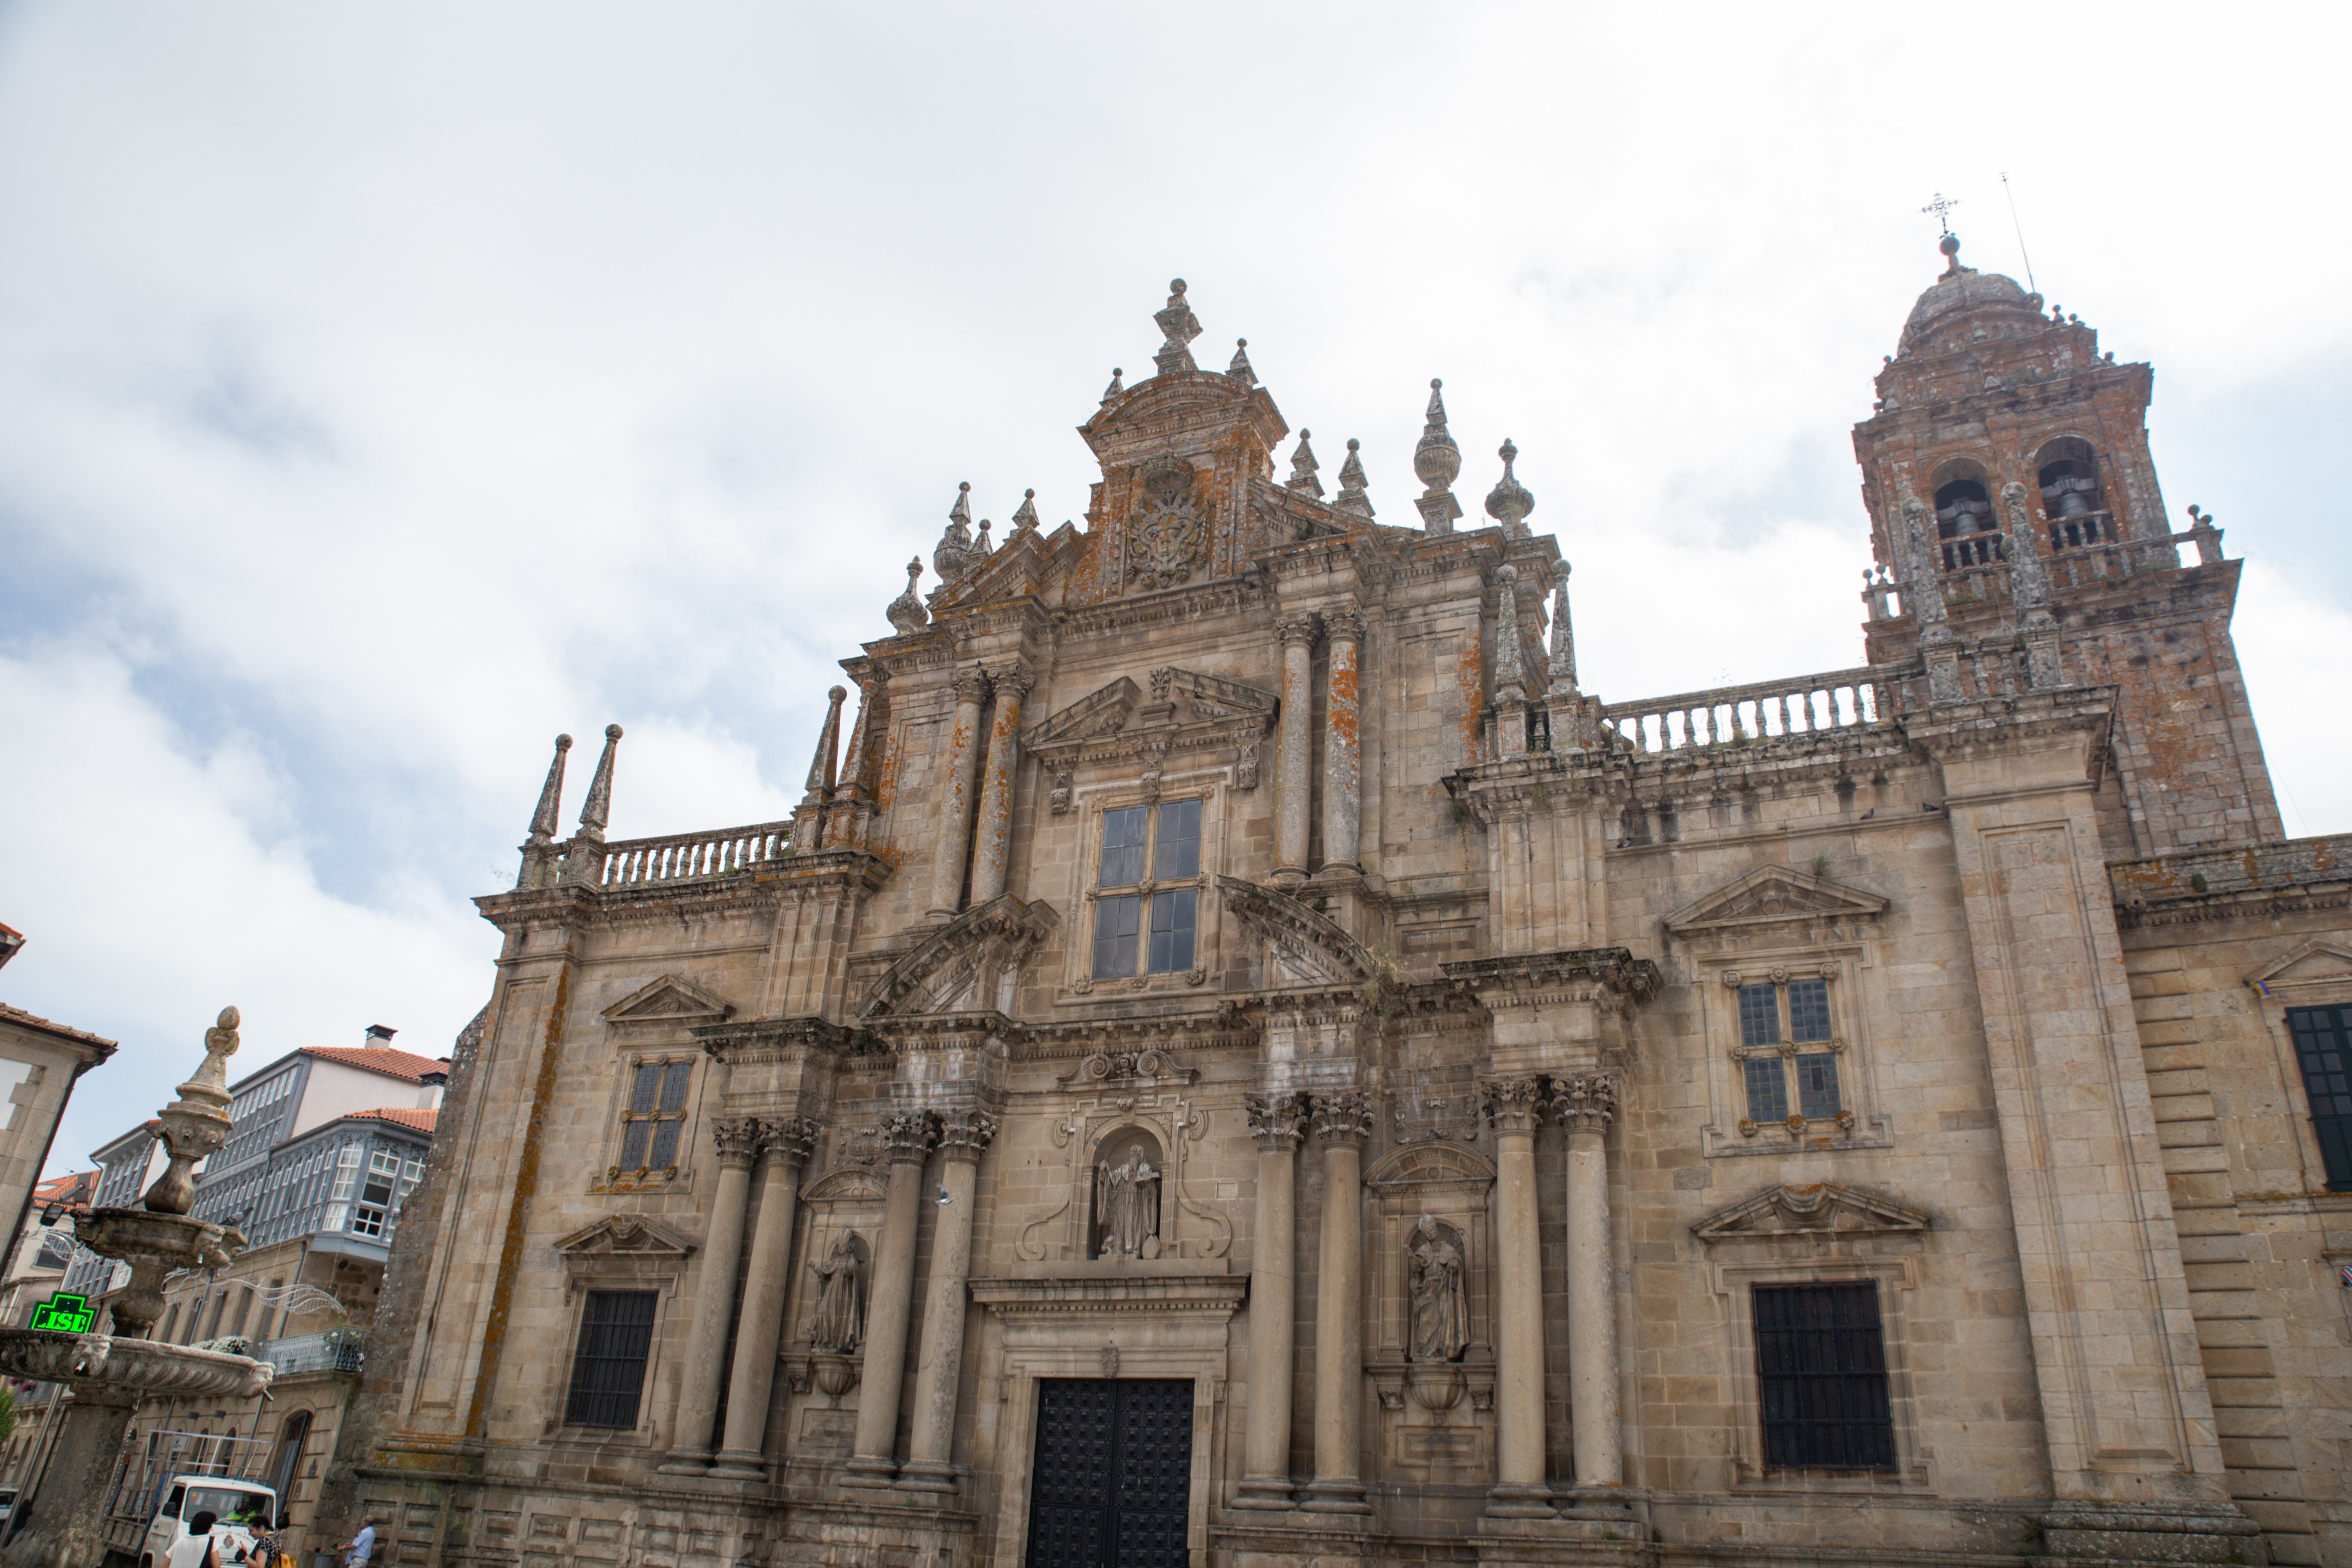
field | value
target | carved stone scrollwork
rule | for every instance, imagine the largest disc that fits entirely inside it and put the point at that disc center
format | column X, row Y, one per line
column 1586, row 1102
column 1061, row 796
column 1512, row 1104
column 1245, row 772
column 907, row 1136
column 737, row 1139
column 1167, row 537
column 966, row 1134
column 1345, row 1116
column 1276, row 1121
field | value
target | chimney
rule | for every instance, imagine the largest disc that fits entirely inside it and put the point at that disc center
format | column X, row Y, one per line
column 379, row 1036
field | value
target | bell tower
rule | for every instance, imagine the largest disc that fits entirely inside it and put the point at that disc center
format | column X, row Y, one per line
column 2005, row 466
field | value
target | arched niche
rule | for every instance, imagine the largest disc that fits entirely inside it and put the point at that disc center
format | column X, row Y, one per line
column 1118, row 1153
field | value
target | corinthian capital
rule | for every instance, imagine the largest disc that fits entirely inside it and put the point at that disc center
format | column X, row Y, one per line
column 1586, row 1102
column 1345, row 623
column 971, row 685
column 789, row 1139
column 966, row 1134
column 1343, row 1117
column 1512, row 1104
column 1276, row 1121
column 1013, row 681
column 737, row 1139
column 907, row 1136
column 1295, row 630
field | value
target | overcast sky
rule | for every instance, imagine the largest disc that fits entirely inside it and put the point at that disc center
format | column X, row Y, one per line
column 383, row 389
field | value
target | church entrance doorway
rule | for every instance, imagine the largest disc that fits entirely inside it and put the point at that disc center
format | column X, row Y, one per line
column 1112, row 1486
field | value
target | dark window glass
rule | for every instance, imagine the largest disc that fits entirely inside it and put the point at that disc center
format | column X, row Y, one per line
column 1759, row 1015
column 1178, row 853
column 2323, row 1048
column 1122, row 855
column 377, row 1191
column 641, row 1095
column 664, row 1153
column 608, row 1371
column 1820, row 1374
column 1115, row 932
column 673, row 1088
column 1809, row 1011
column 1172, row 919
column 632, row 1145
column 1817, row 1088
column 1768, row 1090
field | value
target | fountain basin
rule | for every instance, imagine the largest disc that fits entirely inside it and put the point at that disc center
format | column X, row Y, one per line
column 137, row 1367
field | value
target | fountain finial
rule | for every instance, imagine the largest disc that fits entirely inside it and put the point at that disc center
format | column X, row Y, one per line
column 197, row 1123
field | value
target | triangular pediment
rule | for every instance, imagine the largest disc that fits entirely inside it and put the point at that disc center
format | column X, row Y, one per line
column 669, row 1000
column 2317, row 962
column 625, row 1235
column 1817, row 1211
column 1098, row 715
column 1775, row 895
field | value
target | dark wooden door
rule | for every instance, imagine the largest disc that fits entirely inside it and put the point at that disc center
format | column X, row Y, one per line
column 1113, row 1480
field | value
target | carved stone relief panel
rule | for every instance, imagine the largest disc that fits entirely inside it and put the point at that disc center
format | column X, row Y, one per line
column 1126, row 1192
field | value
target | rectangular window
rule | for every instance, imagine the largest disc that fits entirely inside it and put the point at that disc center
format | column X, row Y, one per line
column 1174, row 915
column 1809, row 1011
column 367, row 1222
column 347, row 1172
column 1767, row 1092
column 1122, row 855
column 1759, row 1015
column 1817, row 1088
column 657, row 1113
column 608, row 1370
column 1178, row 853
column 1115, row 933
column 335, row 1215
column 2323, row 1048
column 1821, row 1375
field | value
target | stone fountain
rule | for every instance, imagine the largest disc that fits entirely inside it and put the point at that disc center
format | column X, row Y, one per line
column 110, row 1373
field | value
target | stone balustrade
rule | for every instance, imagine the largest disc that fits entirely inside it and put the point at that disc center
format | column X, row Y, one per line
column 683, row 857
column 1837, row 699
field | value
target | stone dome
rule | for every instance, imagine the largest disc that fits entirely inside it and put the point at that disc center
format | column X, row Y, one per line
column 1963, row 290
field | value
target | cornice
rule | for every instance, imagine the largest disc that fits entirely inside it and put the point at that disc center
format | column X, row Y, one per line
column 780, row 1039
column 1573, row 974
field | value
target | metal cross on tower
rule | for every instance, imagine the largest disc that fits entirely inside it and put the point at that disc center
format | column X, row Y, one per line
column 1941, row 206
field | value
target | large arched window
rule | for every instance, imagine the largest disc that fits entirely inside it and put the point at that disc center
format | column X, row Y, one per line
column 1967, row 531
column 2067, row 470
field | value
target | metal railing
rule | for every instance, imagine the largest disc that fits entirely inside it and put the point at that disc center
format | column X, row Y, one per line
column 333, row 1350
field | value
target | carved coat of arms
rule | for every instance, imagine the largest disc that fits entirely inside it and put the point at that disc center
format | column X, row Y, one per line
column 1167, row 537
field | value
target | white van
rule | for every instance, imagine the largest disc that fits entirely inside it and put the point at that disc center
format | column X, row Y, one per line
column 243, row 1510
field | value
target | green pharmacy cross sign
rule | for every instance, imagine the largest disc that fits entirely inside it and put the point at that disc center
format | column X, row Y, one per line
column 65, row 1314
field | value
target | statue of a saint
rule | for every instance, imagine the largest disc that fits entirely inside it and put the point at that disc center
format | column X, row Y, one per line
column 841, row 1299
column 1441, row 1309
column 1126, row 1205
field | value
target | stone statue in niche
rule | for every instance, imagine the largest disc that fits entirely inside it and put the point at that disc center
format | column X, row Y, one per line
column 1127, row 1204
column 841, row 1297
column 1441, row 1306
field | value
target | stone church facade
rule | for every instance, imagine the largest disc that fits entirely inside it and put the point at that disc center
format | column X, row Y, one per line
column 1239, row 1059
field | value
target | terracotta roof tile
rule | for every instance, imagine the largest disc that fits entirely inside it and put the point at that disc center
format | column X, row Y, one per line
column 35, row 1021
column 405, row 1065
column 399, row 1115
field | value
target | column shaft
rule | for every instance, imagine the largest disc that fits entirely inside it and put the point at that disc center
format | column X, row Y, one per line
column 1342, row 744
column 697, row 1406
column 994, row 837
column 1266, row 1474
column 1298, row 635
column 1587, row 1105
column 931, row 1468
column 1514, row 1107
column 753, row 1383
column 955, row 795
column 1341, row 1121
column 874, row 1451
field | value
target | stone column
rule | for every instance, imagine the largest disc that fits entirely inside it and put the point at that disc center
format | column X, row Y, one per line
column 1291, row 748
column 906, row 1138
column 955, row 795
column 1342, row 744
column 1276, row 1123
column 737, row 1139
column 964, row 1136
column 753, row 1383
column 1585, row 1105
column 1341, row 1121
column 993, row 839
column 1515, row 1108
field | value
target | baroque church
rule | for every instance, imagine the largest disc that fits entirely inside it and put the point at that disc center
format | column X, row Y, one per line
column 1239, row 1060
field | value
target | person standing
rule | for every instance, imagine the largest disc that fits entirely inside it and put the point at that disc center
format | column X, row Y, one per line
column 197, row 1548
column 363, row 1546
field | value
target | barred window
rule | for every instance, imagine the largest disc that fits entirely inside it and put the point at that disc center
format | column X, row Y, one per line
column 1168, row 840
column 1777, row 1016
column 655, row 1116
column 1821, row 1374
column 2323, row 1048
column 608, row 1369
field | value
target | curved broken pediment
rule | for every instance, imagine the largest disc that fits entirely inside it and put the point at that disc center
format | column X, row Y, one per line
column 959, row 967
column 1304, row 947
